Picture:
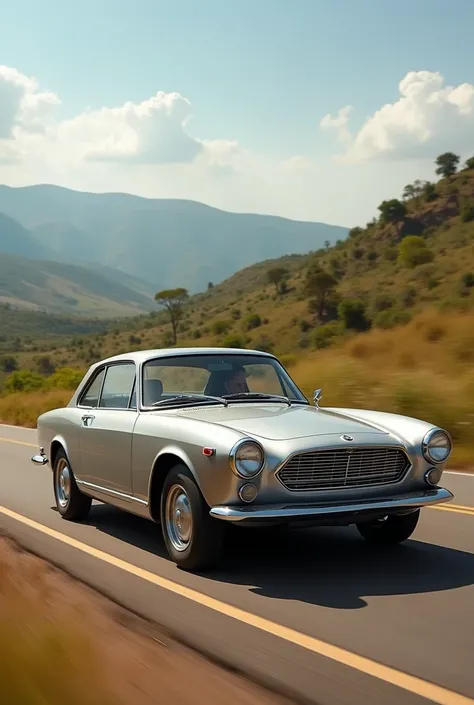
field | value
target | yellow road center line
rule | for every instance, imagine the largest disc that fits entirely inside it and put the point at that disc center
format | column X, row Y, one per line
column 19, row 443
column 412, row 684
column 455, row 510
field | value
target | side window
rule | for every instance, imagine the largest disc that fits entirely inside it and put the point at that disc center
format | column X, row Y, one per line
column 91, row 395
column 118, row 385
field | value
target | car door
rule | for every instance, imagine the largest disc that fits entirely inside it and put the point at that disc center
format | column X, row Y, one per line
column 109, row 416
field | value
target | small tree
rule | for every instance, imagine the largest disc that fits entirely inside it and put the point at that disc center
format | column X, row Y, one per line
column 278, row 277
column 429, row 191
column 392, row 211
column 8, row 364
column 413, row 251
column 318, row 286
column 447, row 164
column 45, row 365
column 173, row 301
column 470, row 163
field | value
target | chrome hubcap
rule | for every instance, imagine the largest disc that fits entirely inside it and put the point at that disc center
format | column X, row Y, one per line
column 63, row 483
column 178, row 517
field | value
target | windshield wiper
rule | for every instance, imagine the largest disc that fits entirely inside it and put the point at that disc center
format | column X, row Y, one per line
column 257, row 395
column 180, row 398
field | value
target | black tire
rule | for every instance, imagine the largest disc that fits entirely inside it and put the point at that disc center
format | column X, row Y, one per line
column 202, row 547
column 72, row 504
column 396, row 528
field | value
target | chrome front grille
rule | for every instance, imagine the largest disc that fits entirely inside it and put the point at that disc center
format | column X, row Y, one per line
column 343, row 467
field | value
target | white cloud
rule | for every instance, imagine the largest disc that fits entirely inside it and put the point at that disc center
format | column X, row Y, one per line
column 148, row 148
column 152, row 132
column 24, row 108
column 296, row 163
column 427, row 117
column 339, row 123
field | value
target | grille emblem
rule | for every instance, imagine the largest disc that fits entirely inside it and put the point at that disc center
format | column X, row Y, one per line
column 346, row 437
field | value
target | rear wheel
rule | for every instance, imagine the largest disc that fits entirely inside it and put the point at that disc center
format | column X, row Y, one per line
column 71, row 503
column 192, row 537
column 392, row 529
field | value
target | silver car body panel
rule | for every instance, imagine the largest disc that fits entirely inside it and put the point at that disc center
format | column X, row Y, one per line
column 118, row 454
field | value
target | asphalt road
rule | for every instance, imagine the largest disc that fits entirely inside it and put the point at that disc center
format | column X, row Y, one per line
column 316, row 613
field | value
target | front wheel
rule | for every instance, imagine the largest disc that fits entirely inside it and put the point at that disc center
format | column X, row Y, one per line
column 192, row 537
column 392, row 529
column 71, row 503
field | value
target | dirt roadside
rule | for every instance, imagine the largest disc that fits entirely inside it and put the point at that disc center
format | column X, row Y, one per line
column 99, row 652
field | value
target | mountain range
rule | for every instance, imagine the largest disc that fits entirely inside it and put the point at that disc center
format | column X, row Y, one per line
column 106, row 254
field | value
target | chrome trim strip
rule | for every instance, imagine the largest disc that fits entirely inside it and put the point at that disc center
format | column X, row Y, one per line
column 114, row 493
column 281, row 511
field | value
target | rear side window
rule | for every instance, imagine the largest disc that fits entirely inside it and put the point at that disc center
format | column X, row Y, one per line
column 91, row 395
column 118, row 386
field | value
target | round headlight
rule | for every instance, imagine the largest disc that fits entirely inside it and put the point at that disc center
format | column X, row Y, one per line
column 437, row 446
column 247, row 459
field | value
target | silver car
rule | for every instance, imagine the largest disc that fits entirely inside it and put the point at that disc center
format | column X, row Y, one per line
column 199, row 438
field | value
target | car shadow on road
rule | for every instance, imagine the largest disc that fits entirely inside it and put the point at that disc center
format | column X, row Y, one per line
column 330, row 567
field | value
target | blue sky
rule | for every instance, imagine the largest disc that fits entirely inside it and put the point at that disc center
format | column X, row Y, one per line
column 261, row 72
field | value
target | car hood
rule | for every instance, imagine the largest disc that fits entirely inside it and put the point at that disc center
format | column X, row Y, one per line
column 276, row 423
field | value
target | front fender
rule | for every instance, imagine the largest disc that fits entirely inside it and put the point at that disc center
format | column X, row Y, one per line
column 178, row 452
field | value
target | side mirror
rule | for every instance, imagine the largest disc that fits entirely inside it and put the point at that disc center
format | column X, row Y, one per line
column 318, row 394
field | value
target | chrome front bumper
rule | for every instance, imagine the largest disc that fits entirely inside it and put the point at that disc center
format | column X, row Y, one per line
column 347, row 513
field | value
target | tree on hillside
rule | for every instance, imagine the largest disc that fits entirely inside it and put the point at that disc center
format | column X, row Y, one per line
column 447, row 164
column 45, row 365
column 392, row 211
column 173, row 301
column 278, row 277
column 429, row 191
column 413, row 251
column 413, row 191
column 470, row 163
column 319, row 285
column 8, row 364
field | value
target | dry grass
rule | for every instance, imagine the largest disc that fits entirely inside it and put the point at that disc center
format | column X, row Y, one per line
column 45, row 655
column 61, row 642
column 22, row 409
column 423, row 370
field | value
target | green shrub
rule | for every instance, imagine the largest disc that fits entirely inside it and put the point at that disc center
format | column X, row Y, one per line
column 467, row 213
column 353, row 314
column 65, row 378
column 413, row 251
column 233, row 341
column 252, row 321
column 324, row 335
column 221, row 327
column 389, row 318
column 24, row 381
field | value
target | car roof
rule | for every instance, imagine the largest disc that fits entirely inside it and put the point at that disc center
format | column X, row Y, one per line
column 141, row 356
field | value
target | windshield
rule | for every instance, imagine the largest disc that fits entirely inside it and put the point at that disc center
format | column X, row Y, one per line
column 227, row 375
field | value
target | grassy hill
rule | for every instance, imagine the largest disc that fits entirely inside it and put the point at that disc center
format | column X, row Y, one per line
column 162, row 241
column 64, row 288
column 379, row 278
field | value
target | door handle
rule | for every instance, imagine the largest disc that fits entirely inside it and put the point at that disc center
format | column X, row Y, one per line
column 87, row 419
